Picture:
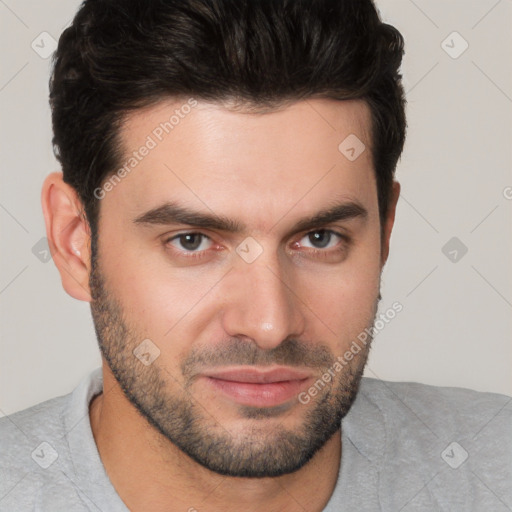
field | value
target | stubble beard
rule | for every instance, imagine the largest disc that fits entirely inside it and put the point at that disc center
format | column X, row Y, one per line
column 262, row 450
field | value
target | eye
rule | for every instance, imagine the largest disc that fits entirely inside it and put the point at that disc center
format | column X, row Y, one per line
column 190, row 242
column 323, row 238
column 323, row 242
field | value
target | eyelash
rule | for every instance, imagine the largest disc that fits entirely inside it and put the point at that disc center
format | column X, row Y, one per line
column 345, row 240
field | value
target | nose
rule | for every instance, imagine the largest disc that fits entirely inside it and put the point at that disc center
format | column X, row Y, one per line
column 261, row 304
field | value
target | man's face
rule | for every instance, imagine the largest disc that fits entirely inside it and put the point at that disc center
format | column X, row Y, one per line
column 240, row 321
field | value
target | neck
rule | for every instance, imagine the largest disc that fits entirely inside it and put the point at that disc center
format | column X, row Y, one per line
column 151, row 473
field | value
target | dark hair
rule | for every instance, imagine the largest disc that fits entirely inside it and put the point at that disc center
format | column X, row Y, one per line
column 120, row 55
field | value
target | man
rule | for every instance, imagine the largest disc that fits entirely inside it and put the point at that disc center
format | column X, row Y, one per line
column 226, row 206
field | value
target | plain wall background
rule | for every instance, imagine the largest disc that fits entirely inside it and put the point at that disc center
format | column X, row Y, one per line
column 456, row 324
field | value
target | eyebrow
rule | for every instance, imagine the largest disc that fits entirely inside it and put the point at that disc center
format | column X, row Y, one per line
column 173, row 213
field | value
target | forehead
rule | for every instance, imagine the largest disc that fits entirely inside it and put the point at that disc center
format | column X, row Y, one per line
column 241, row 163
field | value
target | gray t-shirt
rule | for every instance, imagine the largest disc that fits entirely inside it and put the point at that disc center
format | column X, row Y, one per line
column 405, row 447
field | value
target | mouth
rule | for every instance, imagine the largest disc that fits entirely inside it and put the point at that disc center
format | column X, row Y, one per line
column 259, row 387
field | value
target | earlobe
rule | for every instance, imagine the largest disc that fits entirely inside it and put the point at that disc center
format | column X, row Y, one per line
column 68, row 235
column 390, row 220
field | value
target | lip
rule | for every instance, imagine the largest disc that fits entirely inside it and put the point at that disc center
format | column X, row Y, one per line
column 258, row 387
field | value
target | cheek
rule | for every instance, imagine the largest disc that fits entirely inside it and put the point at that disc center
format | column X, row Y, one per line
column 160, row 301
column 343, row 297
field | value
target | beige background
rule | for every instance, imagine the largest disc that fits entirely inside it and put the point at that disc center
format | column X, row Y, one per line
column 456, row 324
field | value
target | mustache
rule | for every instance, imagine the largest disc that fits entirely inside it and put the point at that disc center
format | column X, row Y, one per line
column 243, row 352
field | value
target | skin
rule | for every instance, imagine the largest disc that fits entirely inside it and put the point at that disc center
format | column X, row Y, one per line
column 266, row 171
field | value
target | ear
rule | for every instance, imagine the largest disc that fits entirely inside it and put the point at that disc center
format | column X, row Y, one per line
column 390, row 220
column 68, row 233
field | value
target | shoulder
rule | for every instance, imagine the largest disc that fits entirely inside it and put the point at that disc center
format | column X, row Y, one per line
column 23, row 431
column 36, row 464
column 451, row 446
column 444, row 409
column 30, row 442
column 48, row 422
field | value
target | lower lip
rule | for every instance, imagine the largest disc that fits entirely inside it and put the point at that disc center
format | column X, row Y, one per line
column 259, row 395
